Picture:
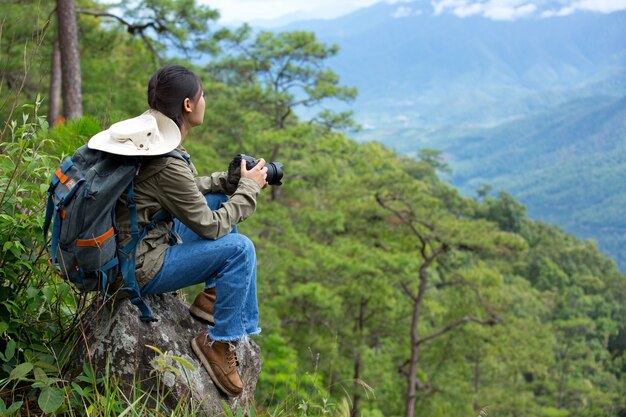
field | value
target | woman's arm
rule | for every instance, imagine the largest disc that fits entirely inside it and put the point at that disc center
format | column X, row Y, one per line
column 177, row 192
column 215, row 183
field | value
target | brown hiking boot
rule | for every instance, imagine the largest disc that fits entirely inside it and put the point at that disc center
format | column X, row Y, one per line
column 220, row 361
column 203, row 305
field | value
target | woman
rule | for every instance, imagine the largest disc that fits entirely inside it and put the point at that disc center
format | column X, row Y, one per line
column 194, row 245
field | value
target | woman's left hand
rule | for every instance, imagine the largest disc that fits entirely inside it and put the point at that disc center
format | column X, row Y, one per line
column 258, row 173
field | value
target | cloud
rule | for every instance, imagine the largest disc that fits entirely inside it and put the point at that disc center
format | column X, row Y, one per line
column 515, row 9
column 510, row 13
column 493, row 9
column 564, row 11
column 599, row 6
column 442, row 6
column 467, row 10
column 405, row 11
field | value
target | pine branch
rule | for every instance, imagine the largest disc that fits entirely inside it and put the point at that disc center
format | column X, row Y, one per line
column 467, row 319
column 130, row 27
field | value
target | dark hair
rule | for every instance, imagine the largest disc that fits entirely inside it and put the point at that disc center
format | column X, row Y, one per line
column 169, row 87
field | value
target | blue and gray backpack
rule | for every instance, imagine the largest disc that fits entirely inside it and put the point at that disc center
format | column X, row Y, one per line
column 83, row 243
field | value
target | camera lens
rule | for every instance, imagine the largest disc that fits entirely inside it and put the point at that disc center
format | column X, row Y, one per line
column 274, row 169
column 274, row 173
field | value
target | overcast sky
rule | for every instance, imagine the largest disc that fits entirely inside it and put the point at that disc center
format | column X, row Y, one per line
column 236, row 11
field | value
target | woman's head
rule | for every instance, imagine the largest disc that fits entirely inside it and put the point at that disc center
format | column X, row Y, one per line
column 177, row 92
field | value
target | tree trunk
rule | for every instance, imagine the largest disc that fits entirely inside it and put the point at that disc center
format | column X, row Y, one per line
column 356, row 399
column 476, row 381
column 411, row 396
column 70, row 59
column 560, row 396
column 55, row 86
column 412, row 376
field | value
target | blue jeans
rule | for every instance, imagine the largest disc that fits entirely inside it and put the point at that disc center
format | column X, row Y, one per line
column 228, row 264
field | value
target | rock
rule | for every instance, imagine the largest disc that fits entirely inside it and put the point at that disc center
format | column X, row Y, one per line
column 117, row 335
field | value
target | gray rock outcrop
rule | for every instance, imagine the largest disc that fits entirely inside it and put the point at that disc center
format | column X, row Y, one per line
column 114, row 336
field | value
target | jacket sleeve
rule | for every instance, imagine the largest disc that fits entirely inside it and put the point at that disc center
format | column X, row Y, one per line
column 215, row 183
column 179, row 194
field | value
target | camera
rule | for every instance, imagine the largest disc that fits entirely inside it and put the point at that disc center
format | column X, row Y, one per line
column 274, row 169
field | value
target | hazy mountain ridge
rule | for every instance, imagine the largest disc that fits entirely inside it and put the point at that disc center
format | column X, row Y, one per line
column 567, row 166
column 437, row 70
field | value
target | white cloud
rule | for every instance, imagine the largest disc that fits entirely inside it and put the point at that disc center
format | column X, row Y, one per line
column 405, row 11
column 509, row 12
column 469, row 10
column 564, row 11
column 442, row 6
column 600, row 6
column 515, row 9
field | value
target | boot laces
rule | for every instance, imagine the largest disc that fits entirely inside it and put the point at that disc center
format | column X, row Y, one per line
column 231, row 358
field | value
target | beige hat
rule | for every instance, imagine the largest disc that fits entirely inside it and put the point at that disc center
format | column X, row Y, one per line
column 152, row 133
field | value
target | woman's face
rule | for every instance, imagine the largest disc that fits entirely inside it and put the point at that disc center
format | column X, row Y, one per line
column 196, row 116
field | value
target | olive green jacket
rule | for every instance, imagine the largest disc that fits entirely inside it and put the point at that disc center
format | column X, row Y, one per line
column 171, row 184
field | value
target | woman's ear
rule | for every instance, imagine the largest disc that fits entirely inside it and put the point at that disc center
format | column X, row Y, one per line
column 187, row 105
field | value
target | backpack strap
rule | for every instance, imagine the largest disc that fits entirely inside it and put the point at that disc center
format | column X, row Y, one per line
column 175, row 154
column 46, row 225
column 127, row 254
column 127, row 257
column 50, row 211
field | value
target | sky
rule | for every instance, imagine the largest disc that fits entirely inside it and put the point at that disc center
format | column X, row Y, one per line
column 234, row 11
column 237, row 11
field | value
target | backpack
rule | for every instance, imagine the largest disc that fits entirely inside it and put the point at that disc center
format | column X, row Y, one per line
column 83, row 246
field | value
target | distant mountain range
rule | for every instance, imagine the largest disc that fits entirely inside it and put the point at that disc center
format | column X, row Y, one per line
column 417, row 69
column 567, row 165
column 534, row 106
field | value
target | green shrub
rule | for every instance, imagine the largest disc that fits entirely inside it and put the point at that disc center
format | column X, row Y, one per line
column 37, row 309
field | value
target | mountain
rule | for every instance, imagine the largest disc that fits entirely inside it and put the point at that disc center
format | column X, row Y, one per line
column 418, row 69
column 568, row 166
column 276, row 22
column 533, row 106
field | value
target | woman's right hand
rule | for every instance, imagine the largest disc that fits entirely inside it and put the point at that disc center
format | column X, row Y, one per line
column 258, row 173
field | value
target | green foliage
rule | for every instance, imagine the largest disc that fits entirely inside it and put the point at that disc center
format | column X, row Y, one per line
column 165, row 363
column 24, row 53
column 36, row 310
column 163, row 24
column 66, row 138
column 290, row 69
column 434, row 159
column 25, row 170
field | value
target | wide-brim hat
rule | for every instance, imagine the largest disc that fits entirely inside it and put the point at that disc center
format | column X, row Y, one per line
column 152, row 133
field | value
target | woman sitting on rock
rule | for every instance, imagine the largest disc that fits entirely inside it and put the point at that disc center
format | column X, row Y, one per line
column 198, row 242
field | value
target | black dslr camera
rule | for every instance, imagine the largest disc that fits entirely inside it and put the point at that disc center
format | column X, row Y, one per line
column 274, row 169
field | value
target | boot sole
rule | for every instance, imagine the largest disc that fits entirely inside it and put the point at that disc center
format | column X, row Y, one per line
column 196, row 349
column 201, row 314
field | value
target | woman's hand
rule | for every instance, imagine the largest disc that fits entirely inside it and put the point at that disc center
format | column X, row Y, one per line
column 258, row 173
